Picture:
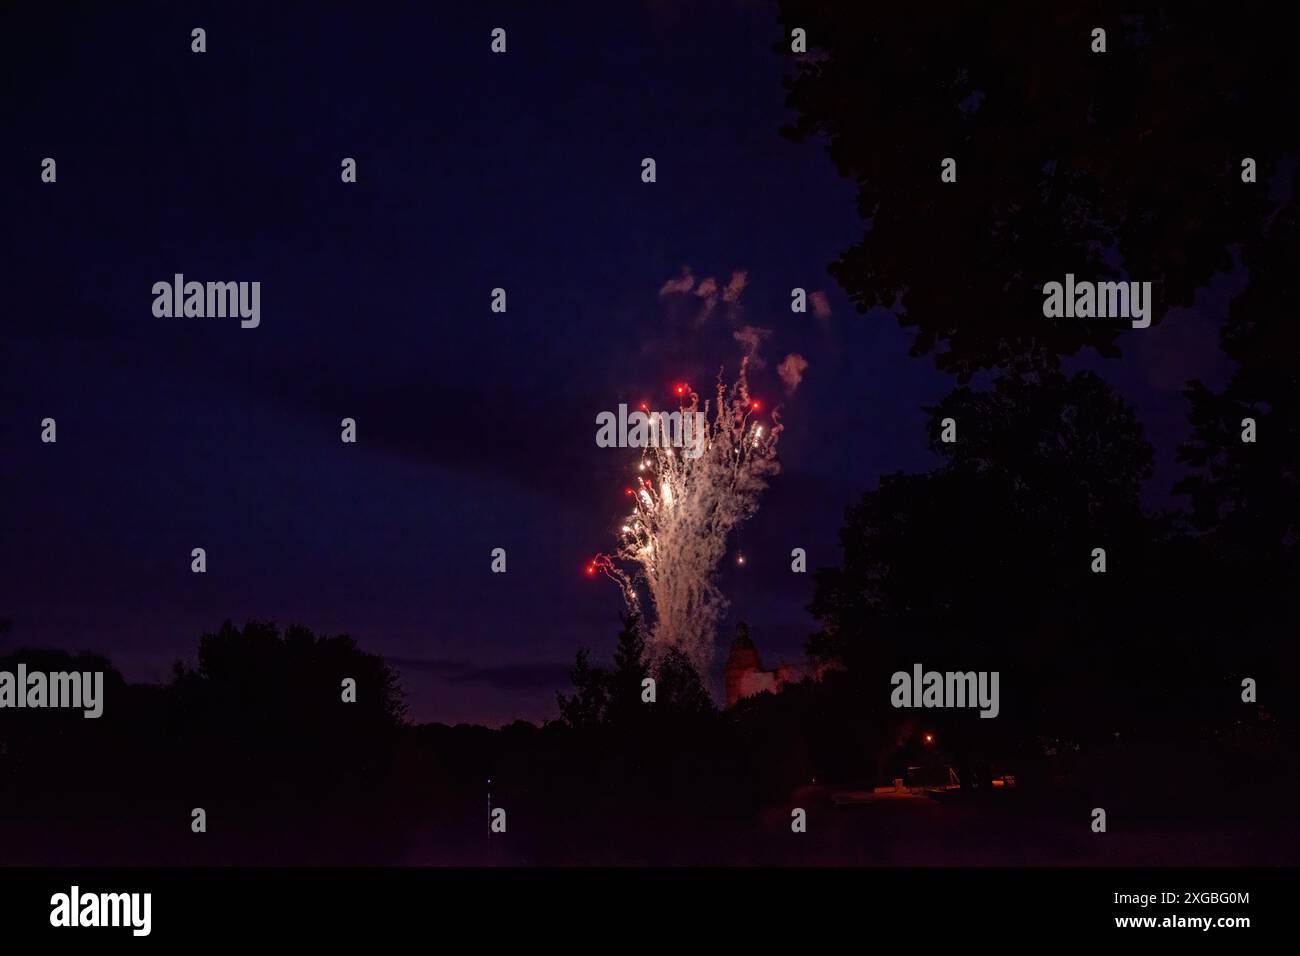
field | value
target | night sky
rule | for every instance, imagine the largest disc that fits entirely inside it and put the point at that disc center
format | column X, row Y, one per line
column 476, row 430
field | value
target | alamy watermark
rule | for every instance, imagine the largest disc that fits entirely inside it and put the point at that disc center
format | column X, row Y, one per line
column 179, row 298
column 1098, row 300
column 950, row 689
column 75, row 908
column 646, row 429
column 58, row 689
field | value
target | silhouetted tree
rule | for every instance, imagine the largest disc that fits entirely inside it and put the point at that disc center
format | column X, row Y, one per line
column 1247, row 494
column 679, row 686
column 612, row 696
column 986, row 563
column 587, row 707
column 1043, row 471
column 266, row 710
column 1067, row 160
column 62, row 742
column 625, row 707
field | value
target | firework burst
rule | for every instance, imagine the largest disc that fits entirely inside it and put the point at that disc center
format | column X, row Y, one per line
column 683, row 509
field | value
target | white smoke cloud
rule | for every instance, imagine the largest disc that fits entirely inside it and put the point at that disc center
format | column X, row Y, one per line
column 791, row 371
column 751, row 340
column 739, row 279
column 683, row 284
column 821, row 305
column 710, row 292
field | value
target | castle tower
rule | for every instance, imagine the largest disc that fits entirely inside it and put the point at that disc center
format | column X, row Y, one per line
column 742, row 664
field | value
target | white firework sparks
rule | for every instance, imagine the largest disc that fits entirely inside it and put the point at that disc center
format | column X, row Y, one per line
column 683, row 508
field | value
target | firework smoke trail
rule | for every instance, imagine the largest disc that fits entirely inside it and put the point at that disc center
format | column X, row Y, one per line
column 684, row 508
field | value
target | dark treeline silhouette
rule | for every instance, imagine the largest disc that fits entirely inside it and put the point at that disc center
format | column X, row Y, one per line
column 256, row 735
column 1127, row 164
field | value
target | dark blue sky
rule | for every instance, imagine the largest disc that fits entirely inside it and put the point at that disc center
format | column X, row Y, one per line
column 476, row 430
